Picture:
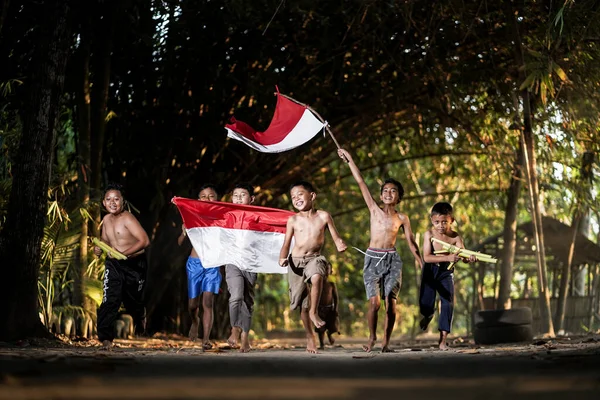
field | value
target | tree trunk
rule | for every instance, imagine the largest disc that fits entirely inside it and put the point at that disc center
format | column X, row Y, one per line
column 530, row 174
column 510, row 232
column 83, row 180
column 586, row 174
column 532, row 183
column 20, row 241
column 4, row 4
column 565, row 277
column 99, row 99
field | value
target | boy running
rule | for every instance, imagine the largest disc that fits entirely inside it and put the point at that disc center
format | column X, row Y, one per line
column 241, row 285
column 306, row 264
column 382, row 271
column 438, row 271
column 202, row 282
column 123, row 279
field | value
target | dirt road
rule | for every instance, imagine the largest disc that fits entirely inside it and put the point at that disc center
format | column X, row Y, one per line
column 164, row 368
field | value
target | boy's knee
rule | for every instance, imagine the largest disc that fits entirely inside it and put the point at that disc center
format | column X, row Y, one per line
column 375, row 304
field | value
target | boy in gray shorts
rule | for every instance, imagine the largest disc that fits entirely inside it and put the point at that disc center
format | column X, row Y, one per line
column 240, row 285
column 382, row 272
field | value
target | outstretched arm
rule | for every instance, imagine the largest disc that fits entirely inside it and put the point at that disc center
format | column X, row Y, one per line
column 287, row 241
column 337, row 239
column 410, row 239
column 344, row 155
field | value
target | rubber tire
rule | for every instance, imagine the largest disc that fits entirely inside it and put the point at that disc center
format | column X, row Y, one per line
column 503, row 334
column 499, row 318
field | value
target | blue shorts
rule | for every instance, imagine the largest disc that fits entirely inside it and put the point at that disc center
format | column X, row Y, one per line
column 201, row 279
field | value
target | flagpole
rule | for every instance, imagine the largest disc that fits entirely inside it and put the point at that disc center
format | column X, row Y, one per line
column 318, row 116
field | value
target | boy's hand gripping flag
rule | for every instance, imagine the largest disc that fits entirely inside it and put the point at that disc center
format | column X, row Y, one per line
column 249, row 237
column 293, row 124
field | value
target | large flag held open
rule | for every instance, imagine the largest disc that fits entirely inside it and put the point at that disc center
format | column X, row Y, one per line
column 249, row 237
column 293, row 124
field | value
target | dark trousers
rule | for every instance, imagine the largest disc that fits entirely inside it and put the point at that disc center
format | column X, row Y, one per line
column 124, row 282
column 437, row 278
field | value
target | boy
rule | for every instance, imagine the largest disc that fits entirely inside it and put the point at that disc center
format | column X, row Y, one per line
column 123, row 279
column 382, row 272
column 202, row 281
column 306, row 264
column 240, row 284
column 328, row 312
column 438, row 272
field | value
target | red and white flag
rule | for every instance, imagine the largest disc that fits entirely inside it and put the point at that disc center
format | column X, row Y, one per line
column 249, row 237
column 292, row 125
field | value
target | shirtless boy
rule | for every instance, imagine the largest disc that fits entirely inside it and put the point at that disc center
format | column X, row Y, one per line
column 240, row 284
column 203, row 283
column 123, row 279
column 382, row 271
column 438, row 272
column 306, row 264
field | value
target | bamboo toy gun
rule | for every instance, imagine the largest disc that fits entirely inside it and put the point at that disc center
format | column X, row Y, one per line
column 448, row 248
column 109, row 250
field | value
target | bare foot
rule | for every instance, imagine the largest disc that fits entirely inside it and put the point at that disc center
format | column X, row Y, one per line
column 245, row 347
column 442, row 341
column 386, row 349
column 368, row 347
column 207, row 345
column 314, row 317
column 193, row 335
column 234, row 338
column 107, row 345
column 311, row 346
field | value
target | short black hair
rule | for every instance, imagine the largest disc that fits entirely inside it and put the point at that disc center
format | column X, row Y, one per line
column 113, row 186
column 441, row 208
column 208, row 186
column 246, row 186
column 395, row 183
column 306, row 185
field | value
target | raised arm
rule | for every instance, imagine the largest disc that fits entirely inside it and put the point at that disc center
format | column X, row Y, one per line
column 410, row 239
column 136, row 230
column 344, row 155
column 337, row 239
column 287, row 241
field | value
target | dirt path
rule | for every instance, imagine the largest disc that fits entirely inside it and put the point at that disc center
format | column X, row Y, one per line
column 171, row 368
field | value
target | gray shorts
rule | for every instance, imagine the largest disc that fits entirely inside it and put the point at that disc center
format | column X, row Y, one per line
column 382, row 273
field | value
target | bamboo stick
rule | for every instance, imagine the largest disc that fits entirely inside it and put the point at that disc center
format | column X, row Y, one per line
column 463, row 252
column 108, row 249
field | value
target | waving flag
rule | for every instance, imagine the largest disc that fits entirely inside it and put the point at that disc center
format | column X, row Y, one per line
column 249, row 237
column 293, row 124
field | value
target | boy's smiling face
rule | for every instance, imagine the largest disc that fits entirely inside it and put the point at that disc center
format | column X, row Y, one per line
column 389, row 194
column 241, row 196
column 207, row 194
column 113, row 201
column 442, row 223
column 302, row 199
